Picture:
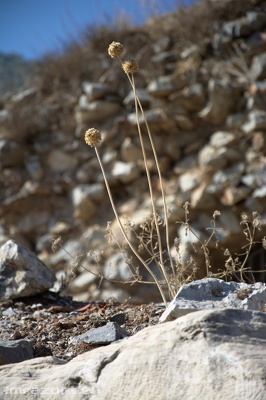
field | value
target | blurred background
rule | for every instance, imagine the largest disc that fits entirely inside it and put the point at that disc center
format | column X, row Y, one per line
column 202, row 84
column 30, row 30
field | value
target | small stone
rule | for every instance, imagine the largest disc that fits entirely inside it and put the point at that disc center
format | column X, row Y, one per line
column 14, row 351
column 103, row 335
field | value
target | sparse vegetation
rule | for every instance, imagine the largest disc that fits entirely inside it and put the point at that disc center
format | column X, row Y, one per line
column 167, row 270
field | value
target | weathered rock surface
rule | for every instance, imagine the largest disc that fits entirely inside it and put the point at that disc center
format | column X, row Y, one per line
column 14, row 351
column 207, row 354
column 22, row 273
column 212, row 293
column 106, row 334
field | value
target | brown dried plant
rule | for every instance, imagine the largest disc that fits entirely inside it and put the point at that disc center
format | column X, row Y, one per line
column 172, row 271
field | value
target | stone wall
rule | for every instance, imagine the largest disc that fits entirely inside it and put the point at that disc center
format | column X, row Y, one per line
column 206, row 108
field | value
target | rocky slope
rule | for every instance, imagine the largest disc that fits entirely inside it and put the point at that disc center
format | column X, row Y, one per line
column 205, row 103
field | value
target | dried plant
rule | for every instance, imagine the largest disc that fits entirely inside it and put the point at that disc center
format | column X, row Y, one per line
column 166, row 267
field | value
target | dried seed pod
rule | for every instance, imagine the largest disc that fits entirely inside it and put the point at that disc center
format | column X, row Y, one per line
column 92, row 137
column 115, row 49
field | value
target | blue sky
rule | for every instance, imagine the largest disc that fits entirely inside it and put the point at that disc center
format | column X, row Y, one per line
column 33, row 27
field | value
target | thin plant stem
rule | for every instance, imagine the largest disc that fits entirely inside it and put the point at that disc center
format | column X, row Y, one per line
column 162, row 190
column 162, row 267
column 124, row 232
column 138, row 104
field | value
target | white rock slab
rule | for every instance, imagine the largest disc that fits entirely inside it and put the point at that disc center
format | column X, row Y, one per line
column 216, row 354
column 212, row 293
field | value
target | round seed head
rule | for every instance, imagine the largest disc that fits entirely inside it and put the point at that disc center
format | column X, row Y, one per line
column 92, row 137
column 130, row 66
column 115, row 49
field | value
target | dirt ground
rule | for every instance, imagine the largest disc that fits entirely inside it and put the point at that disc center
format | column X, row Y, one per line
column 51, row 320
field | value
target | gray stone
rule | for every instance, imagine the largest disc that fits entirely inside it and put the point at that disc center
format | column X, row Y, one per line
column 125, row 172
column 257, row 200
column 14, row 351
column 212, row 293
column 60, row 161
column 191, row 51
column 117, row 268
column 164, row 86
column 130, row 151
column 191, row 98
column 229, row 223
column 237, row 28
column 22, row 273
column 156, row 118
column 256, row 19
column 103, row 335
column 34, row 168
column 190, row 180
column 82, row 282
column 96, row 110
column 95, row 90
column 258, row 67
column 85, row 198
column 220, row 138
column 233, row 195
column 223, row 97
column 143, row 95
column 202, row 198
column 184, row 122
column 229, row 176
column 164, row 57
column 5, row 125
column 35, row 220
column 11, row 153
column 234, row 121
column 210, row 156
column 256, row 121
column 215, row 354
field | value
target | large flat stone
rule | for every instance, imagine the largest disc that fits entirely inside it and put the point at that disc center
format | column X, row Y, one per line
column 216, row 354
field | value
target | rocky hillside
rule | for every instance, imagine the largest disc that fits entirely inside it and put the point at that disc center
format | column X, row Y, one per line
column 16, row 73
column 202, row 83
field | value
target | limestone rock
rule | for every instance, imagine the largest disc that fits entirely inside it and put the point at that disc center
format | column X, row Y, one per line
column 96, row 110
column 164, row 86
column 223, row 97
column 203, row 355
column 189, row 180
column 191, row 98
column 212, row 157
column 143, row 95
column 103, row 335
column 202, row 198
column 60, row 161
column 212, row 293
column 117, row 268
column 125, row 172
column 85, row 197
column 95, row 90
column 256, row 121
column 22, row 273
column 258, row 67
column 221, row 138
column 11, row 153
column 233, row 195
column 14, row 351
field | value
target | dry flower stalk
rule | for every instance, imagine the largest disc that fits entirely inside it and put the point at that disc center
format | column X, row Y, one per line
column 93, row 137
column 179, row 273
column 130, row 66
column 115, row 49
